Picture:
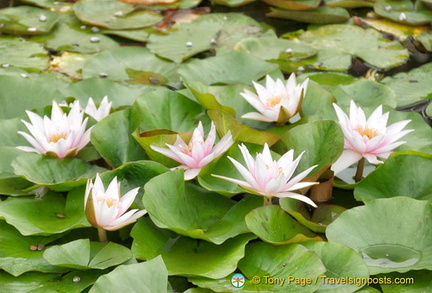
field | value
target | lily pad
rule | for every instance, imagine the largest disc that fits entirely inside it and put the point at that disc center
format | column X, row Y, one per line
column 392, row 234
column 349, row 3
column 114, row 15
column 338, row 43
column 57, row 174
column 150, row 276
column 114, row 65
column 404, row 11
column 16, row 257
column 10, row 183
column 20, row 53
column 83, row 254
column 342, row 263
column 294, row 4
column 321, row 15
column 412, row 86
column 203, row 215
column 233, row 67
column 273, row 225
column 185, row 256
column 47, row 215
column 400, row 175
column 413, row 280
column 26, row 20
column 218, row 31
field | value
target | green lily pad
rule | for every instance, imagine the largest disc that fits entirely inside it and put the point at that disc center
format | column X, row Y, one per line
column 16, row 257
column 321, row 140
column 317, row 102
column 233, row 3
column 139, row 35
column 20, row 53
column 392, row 234
column 57, row 174
column 134, row 174
column 97, row 88
column 204, row 215
column 114, row 15
column 400, row 175
column 47, row 215
column 229, row 68
column 418, row 281
column 166, row 109
column 273, row 225
column 342, row 263
column 413, row 14
column 412, row 86
column 150, row 276
column 292, row 262
column 349, row 3
column 10, row 184
column 27, row 20
column 426, row 40
column 225, row 122
column 71, row 38
column 114, row 65
column 70, row 64
column 218, row 31
column 112, row 138
column 338, row 43
column 321, row 15
column 185, row 256
column 294, row 4
column 318, row 221
column 83, row 254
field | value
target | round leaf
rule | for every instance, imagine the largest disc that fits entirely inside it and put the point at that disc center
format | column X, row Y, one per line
column 27, row 20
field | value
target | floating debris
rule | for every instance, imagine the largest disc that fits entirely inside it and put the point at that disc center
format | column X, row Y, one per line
column 32, row 29
column 33, row 247
column 41, row 246
column 189, row 44
column 153, row 80
column 95, row 39
column 213, row 42
column 388, row 8
column 95, row 30
column 402, row 16
column 76, row 279
column 289, row 51
column 5, row 65
column 42, row 18
column 83, row 27
column 118, row 13
column 24, row 75
column 103, row 75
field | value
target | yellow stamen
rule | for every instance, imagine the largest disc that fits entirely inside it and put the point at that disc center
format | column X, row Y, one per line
column 274, row 101
column 111, row 201
column 56, row 137
column 369, row 132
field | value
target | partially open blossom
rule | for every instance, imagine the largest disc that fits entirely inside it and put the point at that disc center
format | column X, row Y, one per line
column 98, row 113
column 198, row 153
column 267, row 177
column 106, row 209
column 277, row 102
column 61, row 136
column 367, row 138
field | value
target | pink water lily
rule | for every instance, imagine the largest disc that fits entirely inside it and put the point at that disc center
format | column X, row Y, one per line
column 267, row 177
column 198, row 153
column 61, row 136
column 277, row 102
column 106, row 209
column 367, row 138
column 98, row 113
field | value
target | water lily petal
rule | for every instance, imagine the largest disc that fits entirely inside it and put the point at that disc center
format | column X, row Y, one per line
column 347, row 158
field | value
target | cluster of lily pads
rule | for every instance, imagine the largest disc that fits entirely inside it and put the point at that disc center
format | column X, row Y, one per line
column 237, row 150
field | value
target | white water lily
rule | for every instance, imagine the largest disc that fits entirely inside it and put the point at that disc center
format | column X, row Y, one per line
column 367, row 138
column 98, row 113
column 269, row 178
column 61, row 136
column 277, row 102
column 106, row 209
column 198, row 153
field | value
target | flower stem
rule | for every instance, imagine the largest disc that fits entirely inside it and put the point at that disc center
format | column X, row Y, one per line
column 102, row 235
column 267, row 201
column 359, row 174
column 280, row 124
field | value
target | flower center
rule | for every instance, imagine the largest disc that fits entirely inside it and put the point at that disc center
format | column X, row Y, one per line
column 110, row 202
column 271, row 102
column 367, row 131
column 56, row 137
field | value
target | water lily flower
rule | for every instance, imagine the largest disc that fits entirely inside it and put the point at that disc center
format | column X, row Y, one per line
column 367, row 138
column 98, row 113
column 276, row 102
column 61, row 136
column 267, row 177
column 198, row 153
column 105, row 209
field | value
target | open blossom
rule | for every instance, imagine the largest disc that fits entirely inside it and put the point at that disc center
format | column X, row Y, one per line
column 277, row 102
column 98, row 113
column 198, row 153
column 106, row 209
column 267, row 177
column 367, row 138
column 61, row 136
